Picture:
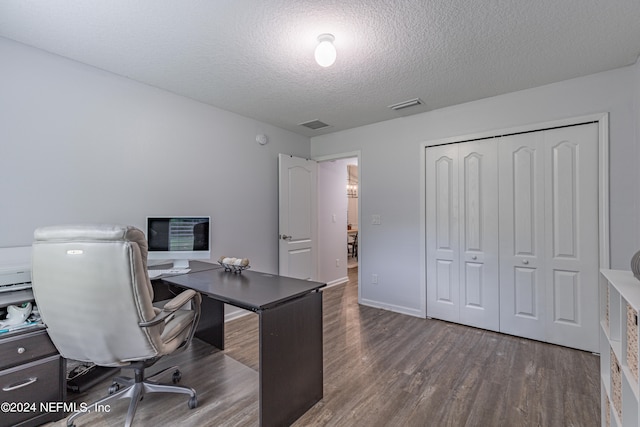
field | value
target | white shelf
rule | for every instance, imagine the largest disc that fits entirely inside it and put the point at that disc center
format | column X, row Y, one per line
column 15, row 297
column 619, row 289
column 626, row 284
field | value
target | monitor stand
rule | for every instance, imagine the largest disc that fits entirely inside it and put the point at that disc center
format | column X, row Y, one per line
column 180, row 264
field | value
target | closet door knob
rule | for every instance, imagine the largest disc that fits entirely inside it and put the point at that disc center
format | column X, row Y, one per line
column 474, row 257
column 525, row 262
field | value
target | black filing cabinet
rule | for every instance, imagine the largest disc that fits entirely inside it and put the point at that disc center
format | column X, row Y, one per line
column 31, row 371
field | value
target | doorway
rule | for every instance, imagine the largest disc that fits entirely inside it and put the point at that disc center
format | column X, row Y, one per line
column 352, row 212
column 339, row 237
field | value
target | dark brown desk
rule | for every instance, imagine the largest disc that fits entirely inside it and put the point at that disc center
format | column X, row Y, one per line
column 290, row 332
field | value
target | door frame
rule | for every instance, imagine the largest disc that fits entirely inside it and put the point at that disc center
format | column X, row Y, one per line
column 348, row 155
column 603, row 184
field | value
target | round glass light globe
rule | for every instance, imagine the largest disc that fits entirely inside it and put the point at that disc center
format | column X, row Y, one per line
column 325, row 53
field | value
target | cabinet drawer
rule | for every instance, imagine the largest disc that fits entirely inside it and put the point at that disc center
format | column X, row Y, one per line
column 25, row 348
column 30, row 384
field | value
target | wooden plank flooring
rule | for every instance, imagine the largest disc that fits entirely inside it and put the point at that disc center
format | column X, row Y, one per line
column 384, row 369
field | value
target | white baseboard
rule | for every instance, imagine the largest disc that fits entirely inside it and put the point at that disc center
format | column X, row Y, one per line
column 236, row 314
column 395, row 308
column 336, row 282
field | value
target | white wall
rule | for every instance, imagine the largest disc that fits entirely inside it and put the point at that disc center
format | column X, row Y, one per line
column 332, row 235
column 391, row 159
column 80, row 144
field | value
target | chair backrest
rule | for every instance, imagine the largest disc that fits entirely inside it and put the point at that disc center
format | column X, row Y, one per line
column 92, row 288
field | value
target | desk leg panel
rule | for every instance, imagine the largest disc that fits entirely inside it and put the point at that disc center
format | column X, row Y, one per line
column 210, row 328
column 291, row 369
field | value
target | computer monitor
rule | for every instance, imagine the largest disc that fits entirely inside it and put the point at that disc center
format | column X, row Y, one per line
column 179, row 239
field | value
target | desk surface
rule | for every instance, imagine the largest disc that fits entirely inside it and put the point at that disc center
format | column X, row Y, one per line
column 250, row 290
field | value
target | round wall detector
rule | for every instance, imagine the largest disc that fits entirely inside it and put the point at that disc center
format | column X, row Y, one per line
column 262, row 139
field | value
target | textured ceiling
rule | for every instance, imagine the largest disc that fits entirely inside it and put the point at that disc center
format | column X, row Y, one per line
column 255, row 58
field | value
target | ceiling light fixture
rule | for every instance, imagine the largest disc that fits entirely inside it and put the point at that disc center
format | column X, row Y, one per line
column 325, row 51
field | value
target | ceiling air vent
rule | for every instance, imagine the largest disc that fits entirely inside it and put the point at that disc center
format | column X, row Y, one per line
column 314, row 124
column 406, row 104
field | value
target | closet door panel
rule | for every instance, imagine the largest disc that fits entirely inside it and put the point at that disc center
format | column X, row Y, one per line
column 525, row 292
column 445, row 287
column 478, row 183
column 524, row 170
column 521, row 208
column 443, row 290
column 564, row 199
column 473, row 286
column 566, row 297
column 571, row 188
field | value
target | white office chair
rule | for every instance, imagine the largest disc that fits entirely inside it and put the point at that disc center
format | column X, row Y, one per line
column 91, row 285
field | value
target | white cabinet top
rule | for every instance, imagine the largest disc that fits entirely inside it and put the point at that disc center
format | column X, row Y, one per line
column 626, row 283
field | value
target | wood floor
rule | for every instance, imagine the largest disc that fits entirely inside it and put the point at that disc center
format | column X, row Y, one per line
column 384, row 369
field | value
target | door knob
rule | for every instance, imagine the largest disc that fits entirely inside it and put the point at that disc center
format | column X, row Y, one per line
column 525, row 261
column 474, row 257
column 285, row 237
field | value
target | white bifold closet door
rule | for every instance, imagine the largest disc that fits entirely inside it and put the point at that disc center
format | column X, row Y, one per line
column 549, row 235
column 522, row 235
column 512, row 234
column 462, row 233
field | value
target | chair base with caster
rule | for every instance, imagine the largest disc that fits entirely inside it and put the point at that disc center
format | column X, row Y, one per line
column 135, row 389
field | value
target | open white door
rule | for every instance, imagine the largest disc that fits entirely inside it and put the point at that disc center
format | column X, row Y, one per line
column 297, row 188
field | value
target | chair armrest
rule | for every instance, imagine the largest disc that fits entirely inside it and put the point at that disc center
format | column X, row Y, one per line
column 170, row 307
column 179, row 300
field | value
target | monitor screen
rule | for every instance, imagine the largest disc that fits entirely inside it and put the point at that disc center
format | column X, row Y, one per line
column 179, row 239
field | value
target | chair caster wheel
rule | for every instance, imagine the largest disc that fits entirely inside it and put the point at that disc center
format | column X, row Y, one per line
column 193, row 402
column 177, row 376
column 114, row 388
